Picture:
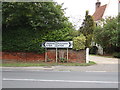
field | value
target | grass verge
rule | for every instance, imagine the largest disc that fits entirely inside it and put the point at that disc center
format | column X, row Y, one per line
column 45, row 64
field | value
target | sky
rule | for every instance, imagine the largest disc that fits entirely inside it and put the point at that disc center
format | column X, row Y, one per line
column 76, row 9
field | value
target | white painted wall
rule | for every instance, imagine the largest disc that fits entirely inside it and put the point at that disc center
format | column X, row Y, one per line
column 87, row 55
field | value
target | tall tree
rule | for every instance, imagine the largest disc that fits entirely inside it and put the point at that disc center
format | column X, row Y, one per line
column 38, row 15
column 107, row 35
column 87, row 29
column 118, row 32
column 27, row 24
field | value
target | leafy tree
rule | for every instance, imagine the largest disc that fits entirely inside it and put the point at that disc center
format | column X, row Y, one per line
column 27, row 24
column 74, row 33
column 79, row 42
column 39, row 15
column 107, row 35
column 59, row 35
column 118, row 32
column 87, row 29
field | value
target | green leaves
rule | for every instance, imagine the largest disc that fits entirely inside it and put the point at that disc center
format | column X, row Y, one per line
column 39, row 15
column 107, row 36
column 79, row 42
column 87, row 28
column 27, row 24
column 59, row 35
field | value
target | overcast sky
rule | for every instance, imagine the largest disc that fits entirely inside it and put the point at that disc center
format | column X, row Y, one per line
column 76, row 8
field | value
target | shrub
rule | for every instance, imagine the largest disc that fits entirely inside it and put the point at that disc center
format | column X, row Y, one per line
column 116, row 55
column 79, row 42
column 63, row 60
column 21, row 40
column 29, row 40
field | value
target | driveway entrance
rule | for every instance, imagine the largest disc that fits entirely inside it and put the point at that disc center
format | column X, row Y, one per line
column 103, row 60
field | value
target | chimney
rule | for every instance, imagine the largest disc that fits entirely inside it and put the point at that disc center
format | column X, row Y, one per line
column 98, row 4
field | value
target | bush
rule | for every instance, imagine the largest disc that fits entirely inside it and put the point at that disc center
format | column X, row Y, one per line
column 29, row 40
column 93, row 50
column 63, row 60
column 116, row 55
column 21, row 40
column 79, row 42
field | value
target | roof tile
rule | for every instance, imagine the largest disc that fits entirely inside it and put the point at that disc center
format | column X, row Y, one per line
column 99, row 12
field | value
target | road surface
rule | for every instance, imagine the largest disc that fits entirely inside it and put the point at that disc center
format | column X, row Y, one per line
column 59, row 79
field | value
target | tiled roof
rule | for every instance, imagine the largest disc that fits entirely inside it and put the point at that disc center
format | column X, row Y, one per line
column 99, row 12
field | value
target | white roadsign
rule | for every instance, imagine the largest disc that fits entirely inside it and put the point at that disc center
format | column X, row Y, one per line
column 59, row 44
column 64, row 44
column 50, row 44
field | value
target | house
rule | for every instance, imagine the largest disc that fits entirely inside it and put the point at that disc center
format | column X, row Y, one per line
column 104, row 11
column 99, row 12
column 109, row 9
column 97, row 16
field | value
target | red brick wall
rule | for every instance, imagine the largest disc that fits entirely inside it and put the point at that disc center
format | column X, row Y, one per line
column 20, row 56
column 74, row 56
column 77, row 56
column 51, row 55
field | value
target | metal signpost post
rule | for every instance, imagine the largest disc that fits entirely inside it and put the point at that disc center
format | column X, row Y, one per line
column 59, row 44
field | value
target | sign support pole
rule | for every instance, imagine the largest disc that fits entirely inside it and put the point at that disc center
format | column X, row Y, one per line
column 46, row 55
column 67, row 54
column 56, row 55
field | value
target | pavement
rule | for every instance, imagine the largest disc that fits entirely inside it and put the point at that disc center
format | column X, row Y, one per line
column 103, row 64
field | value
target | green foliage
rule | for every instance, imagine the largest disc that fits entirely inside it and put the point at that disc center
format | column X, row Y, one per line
column 22, row 40
column 58, row 35
column 63, row 60
column 74, row 33
column 116, row 55
column 87, row 29
column 27, row 40
column 79, row 42
column 27, row 24
column 119, row 32
column 38, row 15
column 107, row 36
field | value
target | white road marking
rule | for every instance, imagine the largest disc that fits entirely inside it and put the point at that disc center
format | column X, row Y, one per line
column 71, row 81
column 33, row 71
column 96, row 71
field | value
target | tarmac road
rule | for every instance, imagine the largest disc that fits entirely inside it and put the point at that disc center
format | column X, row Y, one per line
column 59, row 79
